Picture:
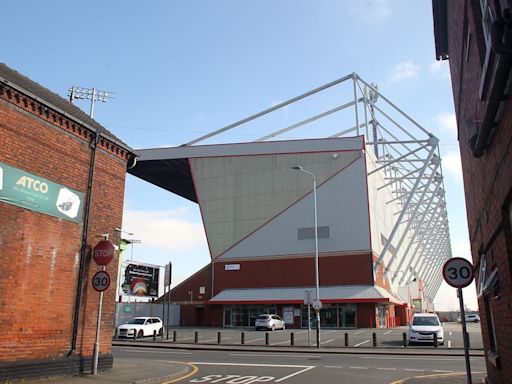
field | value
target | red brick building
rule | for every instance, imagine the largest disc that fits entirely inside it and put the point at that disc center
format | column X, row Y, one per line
column 476, row 37
column 48, row 307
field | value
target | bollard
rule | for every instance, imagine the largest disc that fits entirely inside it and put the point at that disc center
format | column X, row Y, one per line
column 266, row 338
column 467, row 336
column 134, row 334
column 154, row 335
column 174, row 336
column 435, row 340
column 166, row 333
column 404, row 340
column 374, row 337
column 292, row 339
column 346, row 339
column 219, row 337
column 242, row 338
column 116, row 334
column 196, row 336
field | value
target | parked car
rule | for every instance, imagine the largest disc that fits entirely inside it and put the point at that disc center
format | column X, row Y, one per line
column 269, row 321
column 140, row 327
column 423, row 327
column 470, row 318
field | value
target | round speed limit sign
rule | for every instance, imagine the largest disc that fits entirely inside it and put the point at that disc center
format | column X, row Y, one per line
column 458, row 272
column 101, row 281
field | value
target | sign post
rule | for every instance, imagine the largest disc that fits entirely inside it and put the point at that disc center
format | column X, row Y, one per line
column 459, row 273
column 102, row 254
column 307, row 300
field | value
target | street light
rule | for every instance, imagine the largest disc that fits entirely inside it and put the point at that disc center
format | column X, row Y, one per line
column 92, row 94
column 317, row 305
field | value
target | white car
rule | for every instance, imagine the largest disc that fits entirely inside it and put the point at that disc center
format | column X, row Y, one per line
column 423, row 327
column 269, row 321
column 470, row 318
column 140, row 327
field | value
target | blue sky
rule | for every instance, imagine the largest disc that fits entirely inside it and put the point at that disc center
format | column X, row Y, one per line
column 180, row 69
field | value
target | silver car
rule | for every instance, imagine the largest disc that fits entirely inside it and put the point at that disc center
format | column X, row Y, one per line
column 269, row 321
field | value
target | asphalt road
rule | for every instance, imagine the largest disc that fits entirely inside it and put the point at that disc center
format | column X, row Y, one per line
column 245, row 367
column 330, row 338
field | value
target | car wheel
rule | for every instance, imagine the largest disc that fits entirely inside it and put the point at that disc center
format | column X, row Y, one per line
column 273, row 328
column 284, row 327
column 476, row 321
column 140, row 334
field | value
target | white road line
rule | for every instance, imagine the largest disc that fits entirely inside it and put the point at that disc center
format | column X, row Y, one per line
column 281, row 342
column 441, row 371
column 253, row 365
column 388, row 332
column 137, row 350
column 361, row 343
column 357, row 333
column 275, row 354
column 327, row 341
column 450, row 333
column 359, row 367
column 333, row 366
column 415, row 370
column 413, row 358
column 252, row 341
column 326, row 332
column 449, row 343
column 387, row 369
column 294, row 374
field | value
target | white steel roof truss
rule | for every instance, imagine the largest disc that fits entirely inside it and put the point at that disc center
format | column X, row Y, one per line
column 406, row 156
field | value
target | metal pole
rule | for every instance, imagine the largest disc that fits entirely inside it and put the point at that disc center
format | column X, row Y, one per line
column 97, row 338
column 464, row 335
column 92, row 102
column 309, row 318
column 317, row 283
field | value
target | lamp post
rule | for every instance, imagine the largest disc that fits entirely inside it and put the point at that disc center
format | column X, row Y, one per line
column 317, row 304
column 92, row 94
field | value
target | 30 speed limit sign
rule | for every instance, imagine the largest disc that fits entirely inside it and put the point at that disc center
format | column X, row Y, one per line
column 458, row 272
column 101, row 281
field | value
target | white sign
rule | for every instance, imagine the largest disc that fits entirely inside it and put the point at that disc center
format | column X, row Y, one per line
column 458, row 272
column 317, row 304
column 232, row 267
column 101, row 281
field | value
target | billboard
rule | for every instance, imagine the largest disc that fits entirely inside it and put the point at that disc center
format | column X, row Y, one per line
column 140, row 279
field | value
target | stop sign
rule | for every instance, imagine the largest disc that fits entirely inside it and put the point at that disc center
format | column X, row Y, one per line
column 103, row 252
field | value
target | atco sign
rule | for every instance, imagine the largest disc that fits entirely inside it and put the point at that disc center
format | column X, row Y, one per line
column 103, row 252
column 458, row 272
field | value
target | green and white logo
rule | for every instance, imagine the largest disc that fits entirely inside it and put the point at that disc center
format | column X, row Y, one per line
column 38, row 194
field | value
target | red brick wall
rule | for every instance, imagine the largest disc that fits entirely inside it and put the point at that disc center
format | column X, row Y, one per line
column 488, row 179
column 39, row 254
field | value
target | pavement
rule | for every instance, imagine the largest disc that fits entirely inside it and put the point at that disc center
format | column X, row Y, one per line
column 144, row 371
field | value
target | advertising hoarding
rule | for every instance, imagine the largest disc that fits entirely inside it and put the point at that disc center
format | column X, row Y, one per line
column 140, row 279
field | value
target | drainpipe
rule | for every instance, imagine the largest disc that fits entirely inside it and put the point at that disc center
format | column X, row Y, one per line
column 501, row 37
column 84, row 249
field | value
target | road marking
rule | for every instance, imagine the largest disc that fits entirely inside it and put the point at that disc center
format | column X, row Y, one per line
column 357, row 333
column 252, row 341
column 326, row 332
column 281, row 342
column 441, row 371
column 333, row 366
column 193, row 372
column 449, row 343
column 450, row 333
column 359, row 367
column 413, row 358
column 388, row 332
column 387, row 369
column 414, row 370
column 137, row 350
column 328, row 341
column 216, row 339
column 361, row 343
column 294, row 374
column 275, row 354
column 253, row 365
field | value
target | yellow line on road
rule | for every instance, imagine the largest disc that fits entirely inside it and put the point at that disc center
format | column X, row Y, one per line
column 194, row 371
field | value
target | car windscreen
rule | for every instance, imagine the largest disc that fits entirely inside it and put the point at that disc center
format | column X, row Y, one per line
column 425, row 320
column 136, row 321
column 262, row 317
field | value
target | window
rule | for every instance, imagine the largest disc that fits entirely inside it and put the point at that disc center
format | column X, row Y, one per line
column 487, row 20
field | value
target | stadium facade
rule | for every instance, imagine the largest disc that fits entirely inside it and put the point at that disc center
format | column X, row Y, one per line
column 374, row 198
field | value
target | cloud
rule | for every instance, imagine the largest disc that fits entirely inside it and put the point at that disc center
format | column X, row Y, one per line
column 169, row 230
column 452, row 165
column 404, row 70
column 372, row 10
column 440, row 69
column 448, row 123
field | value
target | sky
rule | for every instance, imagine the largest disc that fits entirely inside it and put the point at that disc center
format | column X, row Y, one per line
column 181, row 69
